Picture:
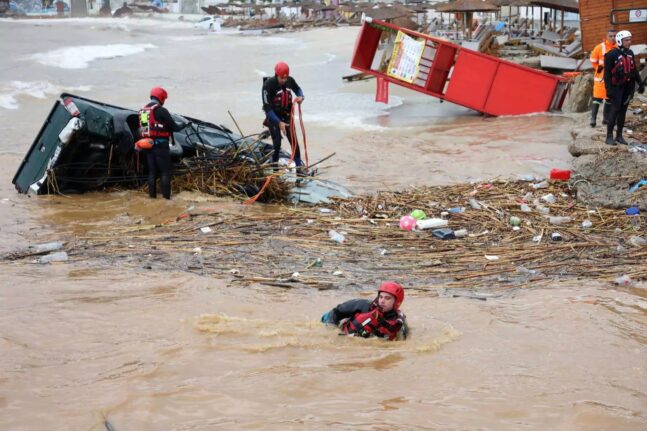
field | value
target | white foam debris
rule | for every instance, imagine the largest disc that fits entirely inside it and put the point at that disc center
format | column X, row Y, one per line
column 79, row 57
column 11, row 92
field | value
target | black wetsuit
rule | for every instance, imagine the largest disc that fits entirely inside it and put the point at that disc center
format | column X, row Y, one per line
column 159, row 157
column 620, row 83
column 277, row 104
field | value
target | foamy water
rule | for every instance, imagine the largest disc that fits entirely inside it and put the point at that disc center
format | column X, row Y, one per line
column 11, row 92
column 348, row 110
column 80, row 57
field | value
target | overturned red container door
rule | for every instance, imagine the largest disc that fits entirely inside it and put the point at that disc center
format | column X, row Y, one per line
column 445, row 70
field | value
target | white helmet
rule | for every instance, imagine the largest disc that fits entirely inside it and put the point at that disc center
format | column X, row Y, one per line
column 621, row 35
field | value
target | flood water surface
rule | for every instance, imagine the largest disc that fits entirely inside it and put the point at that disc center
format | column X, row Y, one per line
column 165, row 350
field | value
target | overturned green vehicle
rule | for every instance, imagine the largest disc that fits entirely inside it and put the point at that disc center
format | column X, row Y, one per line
column 85, row 145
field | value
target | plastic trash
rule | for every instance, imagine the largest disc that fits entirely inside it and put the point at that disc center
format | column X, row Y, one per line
column 525, row 208
column 560, row 174
column 550, row 198
column 638, row 185
column 431, row 223
column 490, row 257
column 461, row 233
column 632, row 211
column 587, row 224
column 338, row 273
column 407, row 222
column 541, row 185
column 336, row 236
column 556, row 236
column 527, row 178
column 325, row 210
column 59, row 256
column 527, row 197
column 418, row 214
column 623, row 280
column 46, row 247
column 559, row 220
column 515, row 221
column 542, row 209
column 637, row 241
column 456, row 210
column 445, row 233
column 475, row 204
column 205, row 229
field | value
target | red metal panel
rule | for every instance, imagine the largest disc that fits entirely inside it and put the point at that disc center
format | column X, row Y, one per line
column 519, row 91
column 471, row 80
column 365, row 47
column 478, row 81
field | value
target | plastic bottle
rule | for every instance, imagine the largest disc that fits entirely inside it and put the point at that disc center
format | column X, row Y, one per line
column 336, row 236
column 461, row 233
column 559, row 220
column 47, row 247
column 475, row 204
column 542, row 209
column 456, row 210
column 431, row 223
column 59, row 256
column 550, row 198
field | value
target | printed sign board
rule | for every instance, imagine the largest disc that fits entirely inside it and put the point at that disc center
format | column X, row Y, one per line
column 405, row 59
column 638, row 15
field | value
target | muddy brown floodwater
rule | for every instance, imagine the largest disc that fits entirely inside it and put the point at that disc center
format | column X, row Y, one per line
column 166, row 350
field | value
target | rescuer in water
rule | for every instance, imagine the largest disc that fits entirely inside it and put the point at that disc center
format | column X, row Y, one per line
column 380, row 317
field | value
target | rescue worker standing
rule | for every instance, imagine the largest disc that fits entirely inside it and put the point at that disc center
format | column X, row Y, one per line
column 277, row 104
column 156, row 123
column 381, row 317
column 599, row 91
column 620, row 79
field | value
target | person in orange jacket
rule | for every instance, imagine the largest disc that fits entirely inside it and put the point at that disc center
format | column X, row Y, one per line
column 599, row 91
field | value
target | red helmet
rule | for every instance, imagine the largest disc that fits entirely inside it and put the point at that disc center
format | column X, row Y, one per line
column 282, row 69
column 394, row 289
column 160, row 94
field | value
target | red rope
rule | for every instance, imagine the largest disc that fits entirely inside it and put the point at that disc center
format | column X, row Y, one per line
column 293, row 144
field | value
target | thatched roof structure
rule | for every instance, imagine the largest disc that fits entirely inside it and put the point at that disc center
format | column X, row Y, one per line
column 467, row 6
column 563, row 5
column 386, row 11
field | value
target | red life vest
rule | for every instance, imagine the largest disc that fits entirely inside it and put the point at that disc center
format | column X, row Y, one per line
column 148, row 126
column 373, row 322
column 623, row 70
column 282, row 103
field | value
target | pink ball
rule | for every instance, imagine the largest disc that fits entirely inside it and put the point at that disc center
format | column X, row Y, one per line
column 407, row 222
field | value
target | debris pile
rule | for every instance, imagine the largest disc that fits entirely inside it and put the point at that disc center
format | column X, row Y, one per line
column 512, row 235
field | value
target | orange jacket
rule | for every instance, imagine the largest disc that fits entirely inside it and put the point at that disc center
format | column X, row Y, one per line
column 597, row 61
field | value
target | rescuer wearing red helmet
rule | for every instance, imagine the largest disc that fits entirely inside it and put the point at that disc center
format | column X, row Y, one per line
column 277, row 104
column 157, row 124
column 381, row 317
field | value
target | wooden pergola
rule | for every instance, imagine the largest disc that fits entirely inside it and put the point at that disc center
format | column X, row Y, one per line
column 467, row 8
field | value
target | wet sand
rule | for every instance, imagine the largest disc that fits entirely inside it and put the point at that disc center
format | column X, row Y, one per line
column 151, row 350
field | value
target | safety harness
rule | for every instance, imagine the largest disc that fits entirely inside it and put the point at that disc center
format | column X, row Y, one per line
column 374, row 322
column 148, row 126
column 623, row 69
